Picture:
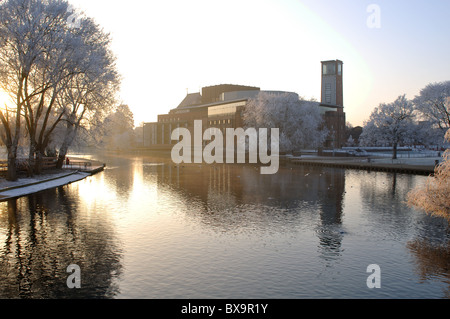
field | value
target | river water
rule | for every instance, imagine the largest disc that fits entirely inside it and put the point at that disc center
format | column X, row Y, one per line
column 145, row 228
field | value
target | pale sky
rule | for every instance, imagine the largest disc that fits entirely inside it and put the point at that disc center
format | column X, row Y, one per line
column 165, row 49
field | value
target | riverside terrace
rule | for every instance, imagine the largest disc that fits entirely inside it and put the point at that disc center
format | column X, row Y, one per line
column 49, row 163
column 418, row 166
column 76, row 169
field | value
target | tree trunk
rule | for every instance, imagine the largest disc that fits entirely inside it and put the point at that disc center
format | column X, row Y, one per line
column 11, row 174
column 31, row 157
column 68, row 139
column 394, row 151
column 62, row 155
column 38, row 162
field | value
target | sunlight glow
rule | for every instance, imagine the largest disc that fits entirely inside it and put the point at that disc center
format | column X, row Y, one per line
column 3, row 100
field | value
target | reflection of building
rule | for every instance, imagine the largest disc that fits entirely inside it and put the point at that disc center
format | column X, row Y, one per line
column 221, row 191
column 221, row 106
column 332, row 102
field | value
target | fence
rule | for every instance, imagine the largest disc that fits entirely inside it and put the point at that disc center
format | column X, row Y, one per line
column 24, row 165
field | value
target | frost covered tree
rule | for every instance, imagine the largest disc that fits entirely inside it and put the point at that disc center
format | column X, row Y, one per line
column 433, row 103
column 24, row 30
column 117, row 130
column 433, row 197
column 299, row 121
column 89, row 95
column 350, row 141
column 391, row 124
column 42, row 57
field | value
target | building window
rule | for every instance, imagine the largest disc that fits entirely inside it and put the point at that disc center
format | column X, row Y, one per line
column 328, row 93
column 329, row 69
column 339, row 69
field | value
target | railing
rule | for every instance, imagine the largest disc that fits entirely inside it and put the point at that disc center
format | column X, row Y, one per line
column 77, row 164
column 24, row 165
column 3, row 166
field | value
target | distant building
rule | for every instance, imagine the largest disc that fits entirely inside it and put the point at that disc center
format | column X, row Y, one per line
column 218, row 106
column 221, row 106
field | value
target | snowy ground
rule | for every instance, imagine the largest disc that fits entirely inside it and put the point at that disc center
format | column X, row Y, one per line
column 409, row 161
column 418, row 161
column 25, row 186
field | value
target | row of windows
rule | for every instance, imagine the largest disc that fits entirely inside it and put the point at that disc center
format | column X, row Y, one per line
column 166, row 120
column 219, row 122
column 210, row 122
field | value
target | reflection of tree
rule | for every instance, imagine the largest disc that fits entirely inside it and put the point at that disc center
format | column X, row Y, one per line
column 432, row 261
column 385, row 193
column 122, row 170
column 44, row 234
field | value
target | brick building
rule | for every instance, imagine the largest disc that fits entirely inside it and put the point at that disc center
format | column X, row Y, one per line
column 221, row 106
column 218, row 106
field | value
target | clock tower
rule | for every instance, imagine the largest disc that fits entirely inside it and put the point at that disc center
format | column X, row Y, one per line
column 332, row 102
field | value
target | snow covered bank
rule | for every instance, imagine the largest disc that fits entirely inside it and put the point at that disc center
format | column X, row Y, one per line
column 33, row 185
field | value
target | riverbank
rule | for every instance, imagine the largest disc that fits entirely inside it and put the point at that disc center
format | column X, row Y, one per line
column 418, row 166
column 77, row 170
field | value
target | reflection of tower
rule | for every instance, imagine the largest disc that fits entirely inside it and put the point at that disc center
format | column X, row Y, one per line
column 332, row 102
column 330, row 229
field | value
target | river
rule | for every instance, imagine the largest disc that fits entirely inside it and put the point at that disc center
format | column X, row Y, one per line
column 145, row 228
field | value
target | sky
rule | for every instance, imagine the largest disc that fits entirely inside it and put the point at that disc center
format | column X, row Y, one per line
column 166, row 49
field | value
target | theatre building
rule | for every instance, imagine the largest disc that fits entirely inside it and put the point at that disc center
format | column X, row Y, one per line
column 221, row 106
column 217, row 106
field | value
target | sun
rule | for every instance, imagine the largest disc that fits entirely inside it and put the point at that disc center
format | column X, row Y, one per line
column 4, row 100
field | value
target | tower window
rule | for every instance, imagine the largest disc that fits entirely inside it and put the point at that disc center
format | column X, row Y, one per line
column 328, row 93
column 329, row 69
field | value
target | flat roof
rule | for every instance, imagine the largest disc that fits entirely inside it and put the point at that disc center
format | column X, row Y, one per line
column 328, row 61
column 208, row 105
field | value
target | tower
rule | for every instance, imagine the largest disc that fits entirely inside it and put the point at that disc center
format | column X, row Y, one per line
column 332, row 85
column 332, row 102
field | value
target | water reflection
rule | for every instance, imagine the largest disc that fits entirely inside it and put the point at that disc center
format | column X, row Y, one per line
column 233, row 198
column 432, row 261
column 43, row 234
column 147, row 228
